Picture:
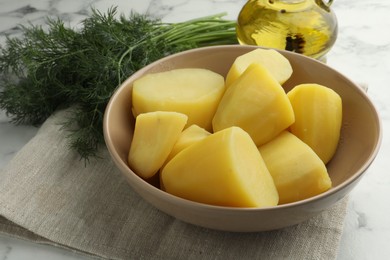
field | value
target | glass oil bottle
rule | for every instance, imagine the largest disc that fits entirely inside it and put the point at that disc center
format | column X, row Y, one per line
column 308, row 27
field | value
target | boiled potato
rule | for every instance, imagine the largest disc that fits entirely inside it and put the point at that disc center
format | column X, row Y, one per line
column 191, row 91
column 223, row 169
column 318, row 118
column 279, row 66
column 155, row 134
column 189, row 136
column 257, row 103
column 297, row 171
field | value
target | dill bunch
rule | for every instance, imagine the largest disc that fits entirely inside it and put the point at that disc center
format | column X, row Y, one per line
column 46, row 70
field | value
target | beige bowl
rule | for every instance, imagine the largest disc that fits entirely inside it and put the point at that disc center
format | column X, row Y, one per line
column 360, row 140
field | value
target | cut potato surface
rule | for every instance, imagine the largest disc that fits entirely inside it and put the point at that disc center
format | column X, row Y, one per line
column 279, row 66
column 223, row 169
column 318, row 118
column 297, row 171
column 155, row 134
column 257, row 103
column 191, row 91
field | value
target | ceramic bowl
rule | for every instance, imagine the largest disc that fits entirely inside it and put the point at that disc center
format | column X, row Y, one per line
column 358, row 147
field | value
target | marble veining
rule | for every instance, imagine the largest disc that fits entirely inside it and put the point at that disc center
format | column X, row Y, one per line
column 361, row 52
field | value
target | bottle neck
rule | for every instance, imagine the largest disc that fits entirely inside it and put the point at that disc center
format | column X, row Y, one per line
column 288, row 5
column 287, row 1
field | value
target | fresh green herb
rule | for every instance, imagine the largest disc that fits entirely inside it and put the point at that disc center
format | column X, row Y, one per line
column 45, row 70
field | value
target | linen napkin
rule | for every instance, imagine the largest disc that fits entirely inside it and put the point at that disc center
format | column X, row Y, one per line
column 48, row 195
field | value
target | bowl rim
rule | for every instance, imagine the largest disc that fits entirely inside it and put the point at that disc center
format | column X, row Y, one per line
column 182, row 201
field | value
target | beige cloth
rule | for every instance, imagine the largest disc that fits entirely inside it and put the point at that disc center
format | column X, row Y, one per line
column 47, row 195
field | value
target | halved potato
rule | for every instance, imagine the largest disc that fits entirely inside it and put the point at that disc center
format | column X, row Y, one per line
column 279, row 66
column 188, row 137
column 155, row 134
column 296, row 169
column 191, row 91
column 223, row 169
column 318, row 118
column 257, row 103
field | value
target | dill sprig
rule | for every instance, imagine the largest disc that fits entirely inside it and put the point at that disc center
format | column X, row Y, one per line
column 45, row 70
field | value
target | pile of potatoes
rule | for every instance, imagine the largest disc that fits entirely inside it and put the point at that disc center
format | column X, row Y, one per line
column 243, row 142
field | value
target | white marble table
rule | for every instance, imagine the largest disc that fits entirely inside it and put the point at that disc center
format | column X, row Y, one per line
column 362, row 53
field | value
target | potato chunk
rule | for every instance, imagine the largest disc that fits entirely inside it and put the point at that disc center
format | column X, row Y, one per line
column 257, row 103
column 191, row 91
column 189, row 136
column 297, row 171
column 279, row 66
column 223, row 169
column 154, row 136
column 318, row 118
